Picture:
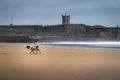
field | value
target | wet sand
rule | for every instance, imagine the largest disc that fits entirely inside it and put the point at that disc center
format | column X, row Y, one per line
column 58, row 63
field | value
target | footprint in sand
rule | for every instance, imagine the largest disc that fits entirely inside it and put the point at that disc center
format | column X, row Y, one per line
column 3, row 53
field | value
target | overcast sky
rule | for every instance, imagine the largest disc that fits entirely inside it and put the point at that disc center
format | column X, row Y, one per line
column 44, row 12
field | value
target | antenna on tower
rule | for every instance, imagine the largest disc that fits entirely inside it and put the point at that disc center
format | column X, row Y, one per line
column 11, row 21
column 65, row 13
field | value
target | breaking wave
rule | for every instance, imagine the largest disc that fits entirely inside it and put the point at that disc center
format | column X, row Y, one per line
column 107, row 44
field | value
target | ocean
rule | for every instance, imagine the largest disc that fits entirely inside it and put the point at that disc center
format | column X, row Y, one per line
column 95, row 44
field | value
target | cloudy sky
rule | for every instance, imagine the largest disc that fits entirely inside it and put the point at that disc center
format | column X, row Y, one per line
column 44, row 12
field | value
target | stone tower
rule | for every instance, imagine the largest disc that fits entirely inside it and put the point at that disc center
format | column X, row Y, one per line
column 65, row 19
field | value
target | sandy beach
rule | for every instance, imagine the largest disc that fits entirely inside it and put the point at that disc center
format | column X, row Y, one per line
column 58, row 63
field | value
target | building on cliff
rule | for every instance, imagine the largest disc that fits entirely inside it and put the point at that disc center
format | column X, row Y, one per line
column 66, row 29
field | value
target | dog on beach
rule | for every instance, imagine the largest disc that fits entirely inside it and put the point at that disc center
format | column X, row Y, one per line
column 33, row 49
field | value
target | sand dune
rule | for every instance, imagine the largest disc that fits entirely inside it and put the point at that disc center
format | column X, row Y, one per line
column 58, row 63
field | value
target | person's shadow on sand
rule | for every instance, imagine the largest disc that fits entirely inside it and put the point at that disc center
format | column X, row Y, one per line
column 33, row 49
